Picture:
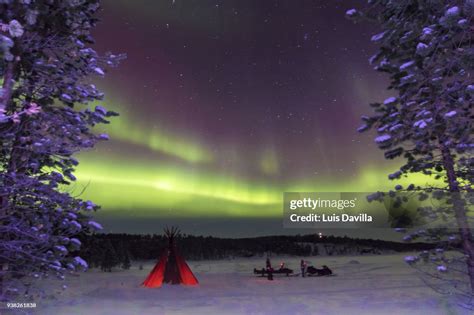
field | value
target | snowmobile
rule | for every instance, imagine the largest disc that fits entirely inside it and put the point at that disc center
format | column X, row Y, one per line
column 315, row 272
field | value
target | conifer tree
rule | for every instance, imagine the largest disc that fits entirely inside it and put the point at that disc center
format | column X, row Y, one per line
column 126, row 263
column 47, row 66
column 109, row 257
column 426, row 49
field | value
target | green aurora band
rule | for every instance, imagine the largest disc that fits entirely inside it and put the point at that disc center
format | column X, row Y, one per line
column 128, row 129
column 167, row 190
column 184, row 184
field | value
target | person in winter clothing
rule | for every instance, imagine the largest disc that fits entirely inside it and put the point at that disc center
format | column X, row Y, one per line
column 303, row 267
column 269, row 269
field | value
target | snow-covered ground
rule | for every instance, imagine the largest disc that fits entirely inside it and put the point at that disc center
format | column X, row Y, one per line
column 363, row 285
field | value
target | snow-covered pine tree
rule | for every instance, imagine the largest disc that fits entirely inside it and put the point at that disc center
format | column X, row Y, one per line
column 426, row 48
column 46, row 66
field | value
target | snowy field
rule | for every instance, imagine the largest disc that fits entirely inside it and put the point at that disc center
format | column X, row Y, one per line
column 363, row 285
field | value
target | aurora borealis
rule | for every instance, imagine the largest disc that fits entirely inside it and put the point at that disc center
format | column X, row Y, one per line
column 225, row 105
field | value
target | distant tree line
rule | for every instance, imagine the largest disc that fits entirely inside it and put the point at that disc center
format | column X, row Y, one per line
column 107, row 251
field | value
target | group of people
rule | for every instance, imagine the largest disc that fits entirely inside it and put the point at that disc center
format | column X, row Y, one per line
column 303, row 266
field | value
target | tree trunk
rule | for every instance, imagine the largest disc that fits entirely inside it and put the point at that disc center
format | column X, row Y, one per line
column 460, row 213
column 3, row 206
column 7, row 88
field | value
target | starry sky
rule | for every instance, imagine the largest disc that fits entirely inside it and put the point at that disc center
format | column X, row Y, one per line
column 225, row 105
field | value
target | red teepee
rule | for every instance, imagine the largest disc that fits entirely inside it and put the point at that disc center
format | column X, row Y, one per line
column 171, row 268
